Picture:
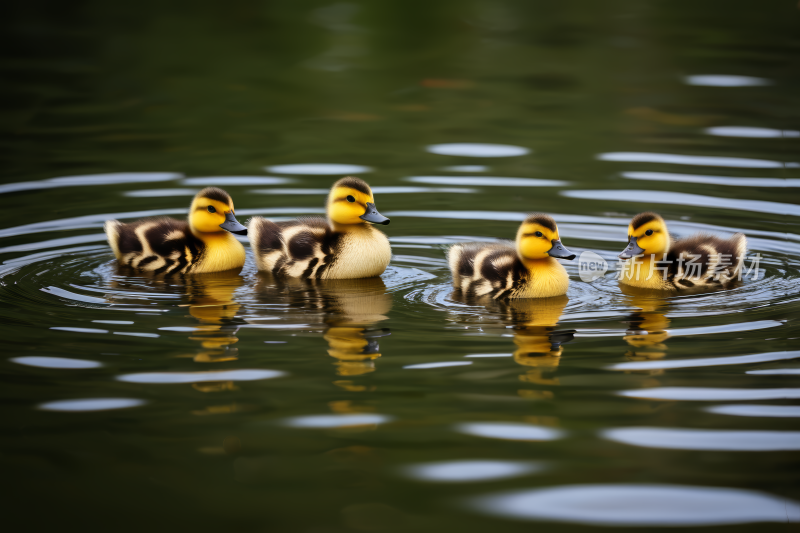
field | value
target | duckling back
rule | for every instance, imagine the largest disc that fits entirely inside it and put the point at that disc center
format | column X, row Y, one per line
column 301, row 248
column 309, row 248
column 482, row 269
column 160, row 245
column 704, row 260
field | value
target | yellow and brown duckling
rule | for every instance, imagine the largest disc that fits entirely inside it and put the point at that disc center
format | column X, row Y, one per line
column 655, row 260
column 202, row 244
column 525, row 269
column 343, row 246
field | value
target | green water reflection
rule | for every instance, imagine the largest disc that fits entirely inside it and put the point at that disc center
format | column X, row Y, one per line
column 245, row 403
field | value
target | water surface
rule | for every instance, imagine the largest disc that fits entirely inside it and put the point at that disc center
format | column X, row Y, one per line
column 240, row 402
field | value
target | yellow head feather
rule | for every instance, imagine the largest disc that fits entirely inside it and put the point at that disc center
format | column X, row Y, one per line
column 208, row 210
column 650, row 232
column 535, row 237
column 351, row 202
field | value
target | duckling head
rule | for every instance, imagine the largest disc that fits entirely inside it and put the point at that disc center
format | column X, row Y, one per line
column 537, row 238
column 212, row 212
column 351, row 202
column 647, row 234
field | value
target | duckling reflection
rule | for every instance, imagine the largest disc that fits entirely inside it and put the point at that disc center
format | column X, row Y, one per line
column 647, row 331
column 211, row 302
column 533, row 323
column 534, row 326
column 348, row 309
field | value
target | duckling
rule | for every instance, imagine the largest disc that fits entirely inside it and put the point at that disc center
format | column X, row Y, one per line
column 169, row 246
column 527, row 269
column 343, row 246
column 698, row 261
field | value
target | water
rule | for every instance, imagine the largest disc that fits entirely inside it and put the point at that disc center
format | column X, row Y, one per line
column 235, row 401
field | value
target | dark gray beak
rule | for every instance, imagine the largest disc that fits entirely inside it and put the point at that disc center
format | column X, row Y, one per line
column 632, row 250
column 373, row 216
column 232, row 225
column 371, row 347
column 560, row 251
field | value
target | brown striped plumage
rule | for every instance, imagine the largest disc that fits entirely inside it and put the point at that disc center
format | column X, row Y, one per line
column 482, row 269
column 161, row 245
column 709, row 251
column 302, row 248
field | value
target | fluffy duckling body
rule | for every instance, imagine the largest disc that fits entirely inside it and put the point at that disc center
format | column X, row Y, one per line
column 343, row 246
column 525, row 269
column 202, row 244
column 655, row 260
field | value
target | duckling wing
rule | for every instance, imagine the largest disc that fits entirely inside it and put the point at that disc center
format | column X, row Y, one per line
column 298, row 248
column 706, row 260
column 161, row 245
column 486, row 268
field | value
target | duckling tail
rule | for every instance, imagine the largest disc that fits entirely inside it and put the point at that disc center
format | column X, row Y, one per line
column 739, row 242
column 111, row 227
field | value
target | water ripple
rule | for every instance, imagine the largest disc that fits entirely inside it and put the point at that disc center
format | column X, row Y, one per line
column 243, row 374
column 55, row 362
column 337, row 421
column 680, row 159
column 726, row 80
column 90, row 180
column 706, row 439
column 776, row 372
column 160, row 193
column 442, row 364
column 755, row 410
column 707, row 394
column 680, row 198
column 469, row 470
column 712, row 180
column 751, row 132
column 91, row 404
column 706, row 361
column 466, row 168
column 487, row 181
column 318, row 169
column 478, row 150
column 639, row 505
column 509, row 431
column 216, row 181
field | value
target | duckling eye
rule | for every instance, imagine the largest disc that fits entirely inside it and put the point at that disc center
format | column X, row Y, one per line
column 212, row 209
column 539, row 234
column 648, row 232
column 350, row 198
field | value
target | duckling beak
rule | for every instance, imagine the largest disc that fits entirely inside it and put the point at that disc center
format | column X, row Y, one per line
column 632, row 250
column 372, row 347
column 373, row 216
column 560, row 251
column 232, row 225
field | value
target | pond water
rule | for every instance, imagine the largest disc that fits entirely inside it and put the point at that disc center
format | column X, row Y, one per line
column 239, row 402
